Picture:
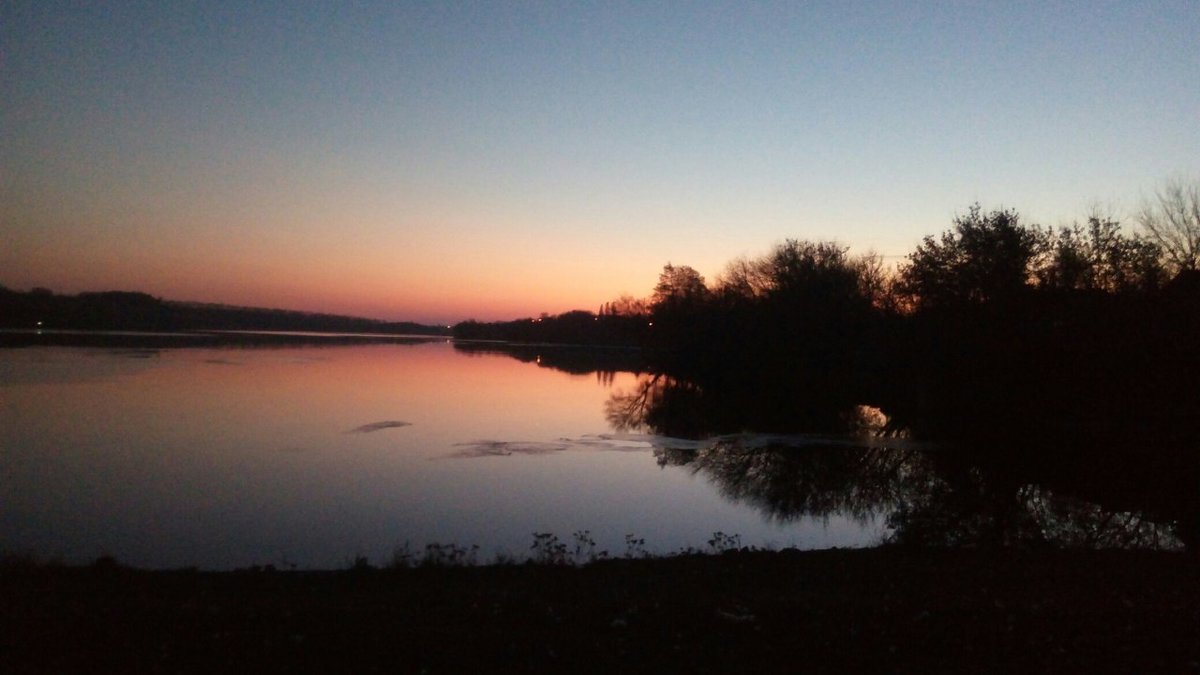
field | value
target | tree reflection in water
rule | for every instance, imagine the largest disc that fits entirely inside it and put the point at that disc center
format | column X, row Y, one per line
column 932, row 494
column 790, row 481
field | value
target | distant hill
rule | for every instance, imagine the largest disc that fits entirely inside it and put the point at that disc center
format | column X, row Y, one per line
column 135, row 311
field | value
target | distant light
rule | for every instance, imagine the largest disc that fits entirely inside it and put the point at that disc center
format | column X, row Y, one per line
column 650, row 324
column 39, row 324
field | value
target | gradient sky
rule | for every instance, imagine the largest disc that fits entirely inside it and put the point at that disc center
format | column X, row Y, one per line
column 439, row 161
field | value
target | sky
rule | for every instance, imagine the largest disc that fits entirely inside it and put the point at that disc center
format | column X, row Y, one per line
column 441, row 161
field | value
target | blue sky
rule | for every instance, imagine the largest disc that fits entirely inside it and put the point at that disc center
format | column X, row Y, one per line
column 438, row 161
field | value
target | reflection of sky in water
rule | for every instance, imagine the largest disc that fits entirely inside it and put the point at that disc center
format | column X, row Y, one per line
column 228, row 457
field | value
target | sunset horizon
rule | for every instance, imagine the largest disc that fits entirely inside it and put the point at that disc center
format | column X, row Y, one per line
column 442, row 162
column 619, row 336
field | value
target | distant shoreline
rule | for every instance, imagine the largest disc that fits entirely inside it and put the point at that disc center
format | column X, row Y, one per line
column 133, row 311
column 25, row 337
column 199, row 338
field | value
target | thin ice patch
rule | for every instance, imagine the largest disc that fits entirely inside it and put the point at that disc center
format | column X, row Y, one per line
column 506, row 448
column 378, row 426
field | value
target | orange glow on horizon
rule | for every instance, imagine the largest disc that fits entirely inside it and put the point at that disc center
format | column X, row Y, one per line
column 374, row 289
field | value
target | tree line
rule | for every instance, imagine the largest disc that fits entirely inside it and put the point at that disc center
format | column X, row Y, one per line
column 994, row 324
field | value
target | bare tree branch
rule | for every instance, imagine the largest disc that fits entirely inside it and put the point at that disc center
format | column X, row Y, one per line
column 1172, row 219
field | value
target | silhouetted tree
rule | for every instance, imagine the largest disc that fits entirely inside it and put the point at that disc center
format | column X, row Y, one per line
column 744, row 279
column 1099, row 257
column 627, row 305
column 984, row 257
column 680, row 288
column 1172, row 220
column 812, row 273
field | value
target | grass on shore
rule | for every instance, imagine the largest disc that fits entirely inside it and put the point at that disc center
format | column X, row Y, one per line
column 891, row 609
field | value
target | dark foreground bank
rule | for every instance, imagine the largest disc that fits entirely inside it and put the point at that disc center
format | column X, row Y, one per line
column 881, row 610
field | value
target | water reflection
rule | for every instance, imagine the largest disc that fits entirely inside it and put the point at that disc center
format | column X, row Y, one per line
column 945, row 494
column 224, row 458
column 678, row 407
column 807, row 477
column 984, row 488
column 604, row 362
column 928, row 496
column 185, row 459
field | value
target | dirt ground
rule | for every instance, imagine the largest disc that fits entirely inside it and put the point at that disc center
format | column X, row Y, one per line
column 879, row 610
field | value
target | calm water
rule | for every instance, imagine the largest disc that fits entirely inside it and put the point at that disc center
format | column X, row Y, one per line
column 312, row 456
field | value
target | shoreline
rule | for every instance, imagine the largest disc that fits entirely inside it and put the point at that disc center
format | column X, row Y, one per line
column 894, row 609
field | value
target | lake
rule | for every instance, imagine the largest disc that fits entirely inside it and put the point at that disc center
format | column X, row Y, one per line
column 313, row 456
